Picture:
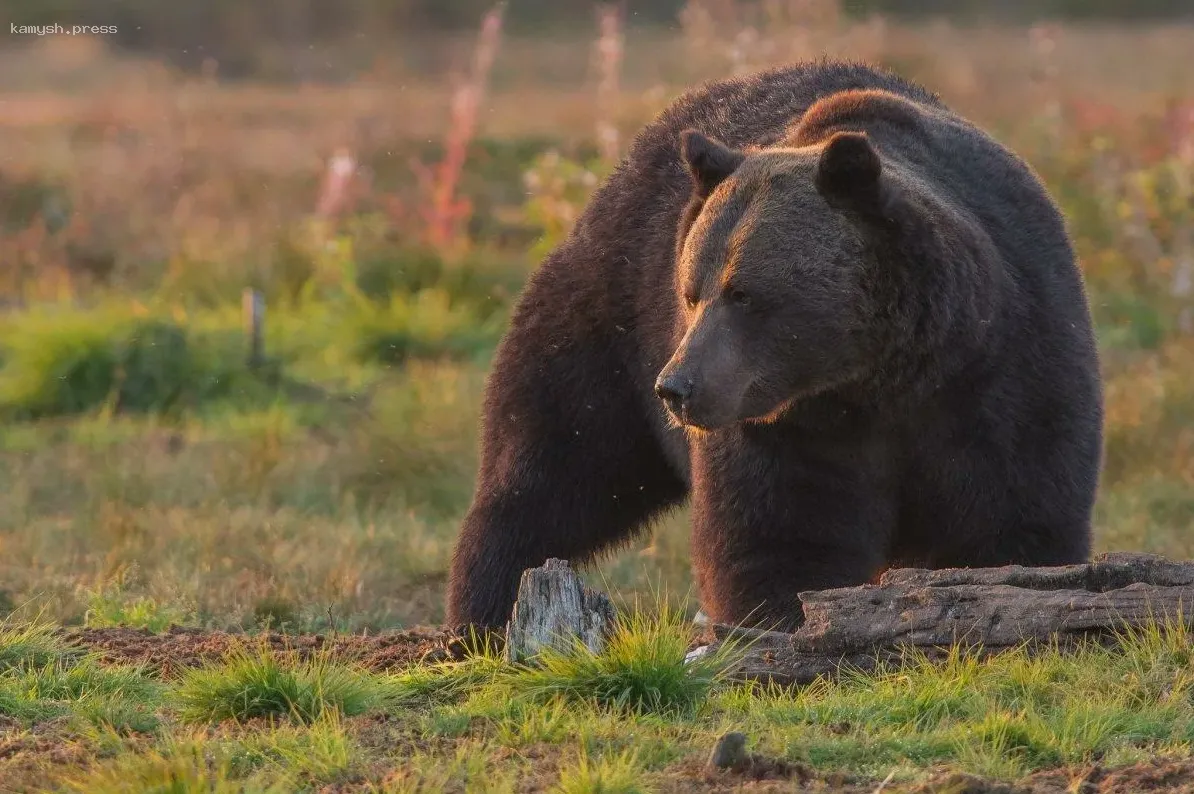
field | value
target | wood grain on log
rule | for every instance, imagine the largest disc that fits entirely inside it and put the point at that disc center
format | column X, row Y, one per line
column 1107, row 572
column 991, row 609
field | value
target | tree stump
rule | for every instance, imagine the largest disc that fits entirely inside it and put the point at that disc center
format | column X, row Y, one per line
column 554, row 609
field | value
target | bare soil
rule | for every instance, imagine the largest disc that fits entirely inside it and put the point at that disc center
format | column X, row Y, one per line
column 182, row 648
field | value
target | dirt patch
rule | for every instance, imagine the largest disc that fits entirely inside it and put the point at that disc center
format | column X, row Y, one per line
column 1170, row 776
column 1156, row 775
column 757, row 774
column 182, row 648
column 767, row 775
column 27, row 757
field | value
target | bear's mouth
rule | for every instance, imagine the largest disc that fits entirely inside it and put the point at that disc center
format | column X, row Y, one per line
column 683, row 420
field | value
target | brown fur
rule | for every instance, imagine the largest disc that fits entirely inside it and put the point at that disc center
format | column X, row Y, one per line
column 855, row 110
column 841, row 320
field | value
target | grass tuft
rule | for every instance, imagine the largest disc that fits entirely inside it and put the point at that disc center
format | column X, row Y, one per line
column 250, row 684
column 321, row 751
column 121, row 698
column 618, row 775
column 31, row 644
column 444, row 683
column 483, row 283
column 186, row 769
column 466, row 768
column 88, row 678
column 641, row 670
column 112, row 606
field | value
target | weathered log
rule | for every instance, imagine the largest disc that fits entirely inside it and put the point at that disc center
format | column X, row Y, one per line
column 1110, row 571
column 989, row 609
column 553, row 610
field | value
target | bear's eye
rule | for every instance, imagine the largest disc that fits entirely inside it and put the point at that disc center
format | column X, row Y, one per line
column 691, row 301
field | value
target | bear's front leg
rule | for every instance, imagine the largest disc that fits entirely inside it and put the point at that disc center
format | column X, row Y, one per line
column 778, row 513
column 571, row 464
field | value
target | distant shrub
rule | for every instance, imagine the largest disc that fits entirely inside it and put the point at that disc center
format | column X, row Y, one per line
column 112, row 606
column 58, row 364
column 384, row 272
column 1130, row 321
column 558, row 189
column 424, row 326
column 275, row 612
column 364, row 257
column 25, row 200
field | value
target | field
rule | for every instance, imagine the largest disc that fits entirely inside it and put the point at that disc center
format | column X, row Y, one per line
column 197, row 554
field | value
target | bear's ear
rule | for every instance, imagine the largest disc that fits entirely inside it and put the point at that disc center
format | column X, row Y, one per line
column 709, row 161
column 849, row 171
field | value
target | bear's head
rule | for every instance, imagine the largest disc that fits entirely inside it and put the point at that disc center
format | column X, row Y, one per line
column 772, row 259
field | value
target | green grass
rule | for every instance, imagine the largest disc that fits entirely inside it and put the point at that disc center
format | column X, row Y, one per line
column 443, row 683
column 251, row 683
column 619, row 775
column 319, row 751
column 1006, row 716
column 625, row 720
column 122, row 699
column 25, row 644
column 642, row 670
column 58, row 363
column 44, row 679
column 180, row 770
column 425, row 326
column 111, row 606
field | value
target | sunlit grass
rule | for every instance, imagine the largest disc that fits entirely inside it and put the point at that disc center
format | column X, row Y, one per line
column 642, row 669
column 250, row 683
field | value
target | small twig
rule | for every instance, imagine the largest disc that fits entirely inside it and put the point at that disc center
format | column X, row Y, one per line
column 253, row 308
column 886, row 780
column 332, row 619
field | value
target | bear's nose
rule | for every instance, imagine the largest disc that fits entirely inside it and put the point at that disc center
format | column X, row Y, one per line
column 673, row 391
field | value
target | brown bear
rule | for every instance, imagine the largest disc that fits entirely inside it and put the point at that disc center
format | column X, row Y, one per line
column 843, row 321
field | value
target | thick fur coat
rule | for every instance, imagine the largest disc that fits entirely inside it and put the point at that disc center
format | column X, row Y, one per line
column 840, row 319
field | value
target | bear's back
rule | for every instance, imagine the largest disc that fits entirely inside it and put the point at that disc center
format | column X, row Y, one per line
column 961, row 164
column 750, row 111
column 631, row 218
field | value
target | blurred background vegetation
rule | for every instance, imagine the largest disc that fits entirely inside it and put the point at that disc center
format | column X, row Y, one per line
column 385, row 176
column 250, row 37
